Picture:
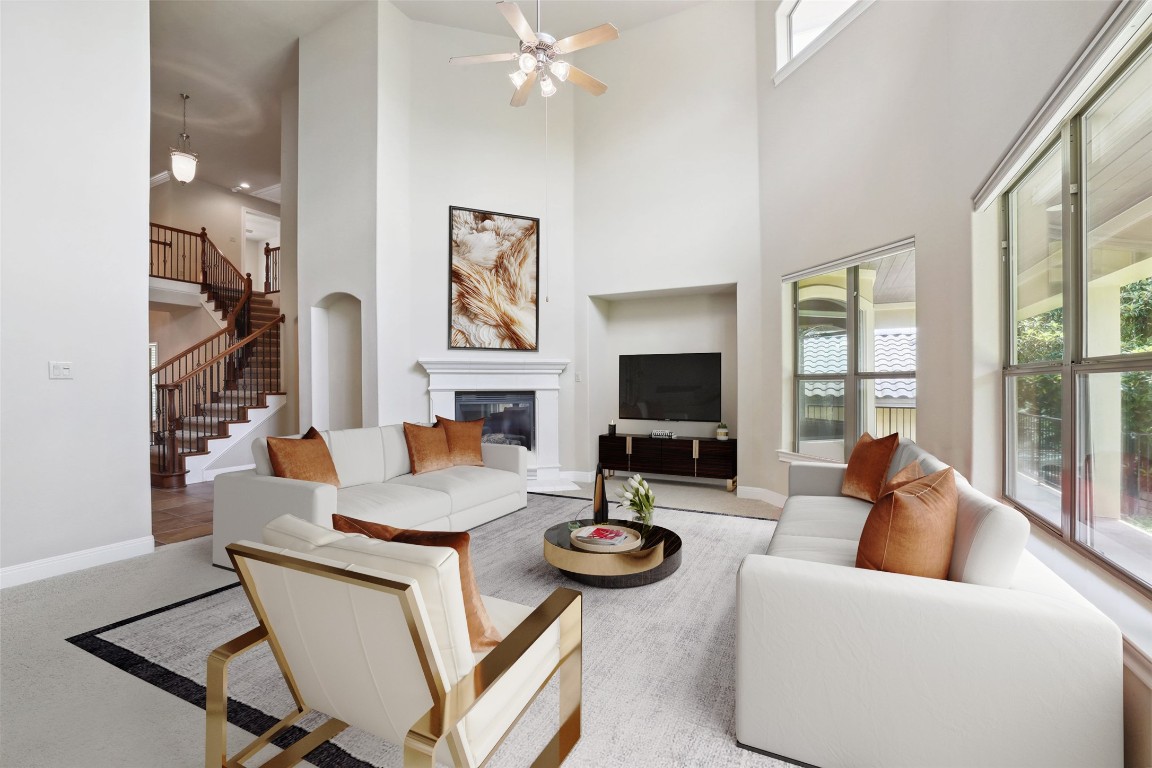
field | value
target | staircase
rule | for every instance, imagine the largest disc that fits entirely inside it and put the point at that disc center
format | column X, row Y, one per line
column 214, row 384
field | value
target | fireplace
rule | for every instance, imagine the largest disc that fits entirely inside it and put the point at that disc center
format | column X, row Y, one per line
column 509, row 417
column 522, row 376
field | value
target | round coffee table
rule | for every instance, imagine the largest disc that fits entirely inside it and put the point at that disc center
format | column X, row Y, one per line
column 657, row 558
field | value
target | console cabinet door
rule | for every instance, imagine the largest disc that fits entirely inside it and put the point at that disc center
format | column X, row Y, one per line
column 647, row 454
column 612, row 453
column 677, row 457
column 717, row 459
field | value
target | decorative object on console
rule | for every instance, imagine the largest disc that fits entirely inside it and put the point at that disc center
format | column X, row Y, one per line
column 721, row 431
column 493, row 261
column 464, row 438
column 538, row 59
column 306, row 458
column 427, row 448
column 481, row 631
column 612, row 428
column 599, row 498
column 639, row 498
column 868, row 466
column 663, row 434
column 911, row 530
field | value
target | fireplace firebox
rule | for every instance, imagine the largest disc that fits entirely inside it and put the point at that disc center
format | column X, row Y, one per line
column 509, row 417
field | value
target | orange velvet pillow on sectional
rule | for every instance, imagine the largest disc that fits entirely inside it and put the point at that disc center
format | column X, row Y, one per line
column 868, row 466
column 911, row 529
column 463, row 440
column 306, row 458
column 481, row 631
column 427, row 448
column 906, row 475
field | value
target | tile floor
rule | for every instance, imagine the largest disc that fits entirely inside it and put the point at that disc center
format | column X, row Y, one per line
column 181, row 514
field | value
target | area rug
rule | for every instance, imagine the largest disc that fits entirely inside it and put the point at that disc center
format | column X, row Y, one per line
column 659, row 660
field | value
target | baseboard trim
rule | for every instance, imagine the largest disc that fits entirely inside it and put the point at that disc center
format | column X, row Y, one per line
column 75, row 561
column 573, row 476
column 210, row 474
column 761, row 494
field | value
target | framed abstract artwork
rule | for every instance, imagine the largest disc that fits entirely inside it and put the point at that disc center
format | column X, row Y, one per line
column 492, row 264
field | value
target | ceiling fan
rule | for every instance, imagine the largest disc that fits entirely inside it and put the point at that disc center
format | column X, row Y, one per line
column 538, row 58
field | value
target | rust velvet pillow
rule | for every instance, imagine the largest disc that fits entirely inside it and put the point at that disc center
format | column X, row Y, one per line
column 307, row 458
column 868, row 466
column 481, row 631
column 427, row 448
column 906, row 475
column 911, row 529
column 463, row 440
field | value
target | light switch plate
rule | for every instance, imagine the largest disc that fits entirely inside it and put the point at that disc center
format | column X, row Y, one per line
column 59, row 370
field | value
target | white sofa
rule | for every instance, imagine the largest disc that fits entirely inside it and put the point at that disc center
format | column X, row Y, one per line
column 1003, row 664
column 376, row 484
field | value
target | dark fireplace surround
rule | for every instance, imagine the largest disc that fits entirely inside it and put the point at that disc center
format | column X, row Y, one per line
column 510, row 417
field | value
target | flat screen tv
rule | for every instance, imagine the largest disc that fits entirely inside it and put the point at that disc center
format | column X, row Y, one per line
column 683, row 387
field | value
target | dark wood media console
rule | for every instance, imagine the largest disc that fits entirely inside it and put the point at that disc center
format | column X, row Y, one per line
column 685, row 456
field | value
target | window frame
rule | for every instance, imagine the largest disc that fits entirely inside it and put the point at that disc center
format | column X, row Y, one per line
column 786, row 62
column 853, row 376
column 1075, row 366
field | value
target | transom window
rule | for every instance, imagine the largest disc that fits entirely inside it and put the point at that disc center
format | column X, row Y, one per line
column 802, row 26
column 1078, row 374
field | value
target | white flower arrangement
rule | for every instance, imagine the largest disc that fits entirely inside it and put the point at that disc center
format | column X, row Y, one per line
column 638, row 497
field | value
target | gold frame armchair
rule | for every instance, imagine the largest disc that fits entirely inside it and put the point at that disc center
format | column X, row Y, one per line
column 359, row 645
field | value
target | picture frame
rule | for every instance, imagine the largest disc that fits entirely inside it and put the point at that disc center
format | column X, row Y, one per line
column 493, row 280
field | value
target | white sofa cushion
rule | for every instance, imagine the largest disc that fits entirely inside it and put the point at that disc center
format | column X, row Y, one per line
column 990, row 539
column 467, row 486
column 403, row 506
column 396, row 460
column 358, row 455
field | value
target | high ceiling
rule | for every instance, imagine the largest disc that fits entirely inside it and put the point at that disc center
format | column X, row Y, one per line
column 233, row 57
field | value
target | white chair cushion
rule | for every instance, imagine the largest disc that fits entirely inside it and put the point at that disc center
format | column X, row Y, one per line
column 467, row 486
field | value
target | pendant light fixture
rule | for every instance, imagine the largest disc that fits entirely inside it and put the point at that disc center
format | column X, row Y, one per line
column 184, row 159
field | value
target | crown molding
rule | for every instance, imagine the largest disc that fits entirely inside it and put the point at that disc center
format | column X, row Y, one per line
column 271, row 194
column 159, row 179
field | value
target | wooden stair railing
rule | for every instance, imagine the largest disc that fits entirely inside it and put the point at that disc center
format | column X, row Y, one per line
column 271, row 268
column 195, row 405
column 192, row 257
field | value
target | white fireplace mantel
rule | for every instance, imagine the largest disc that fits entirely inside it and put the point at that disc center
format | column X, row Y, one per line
column 446, row 376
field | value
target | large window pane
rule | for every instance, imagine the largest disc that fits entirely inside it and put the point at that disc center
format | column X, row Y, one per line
column 886, row 313
column 822, row 323
column 1118, row 207
column 1035, row 462
column 1036, row 237
column 821, row 418
column 1115, row 468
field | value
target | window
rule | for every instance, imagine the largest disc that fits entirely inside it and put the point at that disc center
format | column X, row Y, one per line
column 855, row 352
column 1078, row 374
column 803, row 26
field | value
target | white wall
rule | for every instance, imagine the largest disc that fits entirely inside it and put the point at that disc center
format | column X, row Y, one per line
column 666, row 194
column 201, row 204
column 664, row 325
column 886, row 132
column 469, row 148
column 174, row 328
column 74, row 454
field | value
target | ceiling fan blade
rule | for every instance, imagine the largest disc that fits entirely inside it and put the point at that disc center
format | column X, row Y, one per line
column 519, row 24
column 520, row 98
column 484, row 58
column 587, row 38
column 586, row 81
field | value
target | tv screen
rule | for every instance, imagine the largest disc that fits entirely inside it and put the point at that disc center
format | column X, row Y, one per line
column 684, row 387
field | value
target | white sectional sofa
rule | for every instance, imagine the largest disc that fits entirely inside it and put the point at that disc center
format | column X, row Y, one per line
column 376, row 484
column 1003, row 664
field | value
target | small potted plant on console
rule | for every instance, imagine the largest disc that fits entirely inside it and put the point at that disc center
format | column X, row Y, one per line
column 721, row 431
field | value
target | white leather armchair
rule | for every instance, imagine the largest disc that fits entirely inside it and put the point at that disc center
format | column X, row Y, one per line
column 377, row 638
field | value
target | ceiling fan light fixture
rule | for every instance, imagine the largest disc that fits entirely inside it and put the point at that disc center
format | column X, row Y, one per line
column 560, row 70
column 517, row 78
column 527, row 62
column 547, row 87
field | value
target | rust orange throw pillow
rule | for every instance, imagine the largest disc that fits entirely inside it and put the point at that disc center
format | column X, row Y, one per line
column 427, row 448
column 481, row 631
column 868, row 466
column 463, row 440
column 906, row 475
column 911, row 529
column 304, row 459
